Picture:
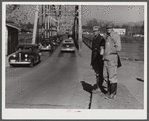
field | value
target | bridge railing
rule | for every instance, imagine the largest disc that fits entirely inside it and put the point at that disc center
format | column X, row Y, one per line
column 87, row 41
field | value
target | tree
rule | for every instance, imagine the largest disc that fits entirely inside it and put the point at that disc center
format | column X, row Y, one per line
column 95, row 22
column 15, row 15
column 102, row 23
column 142, row 28
column 11, row 8
column 92, row 23
column 29, row 25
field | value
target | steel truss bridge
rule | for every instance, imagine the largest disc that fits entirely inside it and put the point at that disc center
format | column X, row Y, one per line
column 54, row 20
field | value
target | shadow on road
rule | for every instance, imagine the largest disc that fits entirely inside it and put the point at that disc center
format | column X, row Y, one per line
column 87, row 87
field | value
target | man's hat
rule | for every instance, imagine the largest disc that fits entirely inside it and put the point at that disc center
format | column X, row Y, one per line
column 96, row 28
column 109, row 26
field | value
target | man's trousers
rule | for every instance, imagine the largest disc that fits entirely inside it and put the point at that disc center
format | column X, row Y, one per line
column 110, row 69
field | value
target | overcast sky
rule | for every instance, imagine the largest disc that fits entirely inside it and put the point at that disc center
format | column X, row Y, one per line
column 115, row 13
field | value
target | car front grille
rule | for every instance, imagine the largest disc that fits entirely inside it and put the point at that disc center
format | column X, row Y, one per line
column 68, row 46
column 19, row 56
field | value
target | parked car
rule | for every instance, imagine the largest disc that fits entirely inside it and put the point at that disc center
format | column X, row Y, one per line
column 26, row 54
column 54, row 42
column 68, row 45
column 46, row 45
column 58, row 41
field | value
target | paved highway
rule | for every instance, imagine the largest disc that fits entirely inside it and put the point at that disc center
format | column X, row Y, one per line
column 53, row 83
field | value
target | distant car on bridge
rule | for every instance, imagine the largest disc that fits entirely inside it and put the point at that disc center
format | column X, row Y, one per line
column 46, row 45
column 26, row 54
column 68, row 45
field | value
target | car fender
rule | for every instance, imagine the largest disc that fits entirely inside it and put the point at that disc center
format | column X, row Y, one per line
column 31, row 57
column 11, row 57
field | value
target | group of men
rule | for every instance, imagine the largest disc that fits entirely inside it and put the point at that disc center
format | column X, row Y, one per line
column 105, row 60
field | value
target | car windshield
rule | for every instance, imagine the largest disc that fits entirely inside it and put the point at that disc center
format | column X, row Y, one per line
column 45, row 42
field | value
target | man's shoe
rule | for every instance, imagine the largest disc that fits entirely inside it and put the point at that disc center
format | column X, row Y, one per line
column 107, row 96
column 113, row 90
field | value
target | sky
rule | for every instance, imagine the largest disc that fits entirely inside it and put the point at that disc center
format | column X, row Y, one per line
column 115, row 13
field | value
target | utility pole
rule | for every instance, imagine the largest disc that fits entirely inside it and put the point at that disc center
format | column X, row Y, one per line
column 35, row 25
column 42, row 21
column 58, row 20
column 38, row 36
column 45, row 21
column 80, row 29
column 48, row 21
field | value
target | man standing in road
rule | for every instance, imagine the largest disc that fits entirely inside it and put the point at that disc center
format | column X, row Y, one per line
column 112, row 47
column 97, row 58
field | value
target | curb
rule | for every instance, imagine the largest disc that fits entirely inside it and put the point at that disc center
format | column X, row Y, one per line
column 94, row 104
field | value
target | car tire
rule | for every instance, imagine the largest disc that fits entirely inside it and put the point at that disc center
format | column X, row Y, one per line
column 32, row 64
column 39, row 59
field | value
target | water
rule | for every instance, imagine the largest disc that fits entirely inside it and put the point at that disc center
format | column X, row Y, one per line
column 132, row 50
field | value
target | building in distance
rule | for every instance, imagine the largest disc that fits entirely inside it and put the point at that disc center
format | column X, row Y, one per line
column 120, row 31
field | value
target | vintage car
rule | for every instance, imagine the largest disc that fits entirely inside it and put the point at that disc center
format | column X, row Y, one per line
column 68, row 45
column 46, row 45
column 26, row 54
column 54, row 42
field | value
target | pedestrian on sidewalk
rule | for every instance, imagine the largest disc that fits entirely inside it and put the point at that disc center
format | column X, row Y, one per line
column 98, row 44
column 111, row 60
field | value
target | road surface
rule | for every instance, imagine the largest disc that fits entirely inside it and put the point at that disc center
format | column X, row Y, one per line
column 53, row 83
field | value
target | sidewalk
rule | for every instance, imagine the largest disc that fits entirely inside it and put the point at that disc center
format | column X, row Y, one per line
column 130, row 92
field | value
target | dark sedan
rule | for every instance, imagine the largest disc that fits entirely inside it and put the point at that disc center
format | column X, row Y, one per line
column 46, row 45
column 26, row 54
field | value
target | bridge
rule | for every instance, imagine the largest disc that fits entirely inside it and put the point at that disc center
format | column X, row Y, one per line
column 56, row 20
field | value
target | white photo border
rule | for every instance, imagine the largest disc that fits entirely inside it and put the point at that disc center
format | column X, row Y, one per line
column 74, row 114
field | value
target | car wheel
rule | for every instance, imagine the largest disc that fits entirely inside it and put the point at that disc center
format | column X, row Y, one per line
column 39, row 59
column 32, row 64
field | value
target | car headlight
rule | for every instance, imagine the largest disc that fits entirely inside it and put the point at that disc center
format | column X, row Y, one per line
column 14, row 55
column 26, row 55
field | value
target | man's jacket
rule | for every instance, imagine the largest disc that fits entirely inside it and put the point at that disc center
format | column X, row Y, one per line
column 112, row 47
column 96, row 58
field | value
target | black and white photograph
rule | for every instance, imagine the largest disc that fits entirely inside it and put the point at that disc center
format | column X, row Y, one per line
column 74, row 60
